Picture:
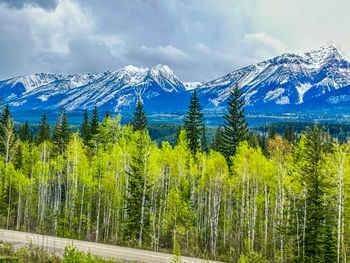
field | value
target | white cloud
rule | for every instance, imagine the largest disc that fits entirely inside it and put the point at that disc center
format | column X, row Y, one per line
column 198, row 39
column 261, row 38
column 166, row 53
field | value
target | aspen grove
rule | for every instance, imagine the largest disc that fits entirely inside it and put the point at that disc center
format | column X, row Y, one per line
column 120, row 187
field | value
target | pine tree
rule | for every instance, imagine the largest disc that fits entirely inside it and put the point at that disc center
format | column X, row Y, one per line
column 44, row 131
column 139, row 118
column 61, row 132
column 94, row 123
column 235, row 125
column 194, row 123
column 85, row 129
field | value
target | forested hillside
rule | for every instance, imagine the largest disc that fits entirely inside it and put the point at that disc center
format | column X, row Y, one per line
column 238, row 203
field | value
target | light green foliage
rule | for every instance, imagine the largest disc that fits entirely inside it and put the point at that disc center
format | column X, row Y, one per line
column 120, row 187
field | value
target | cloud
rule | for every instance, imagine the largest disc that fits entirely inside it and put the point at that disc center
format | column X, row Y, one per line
column 165, row 54
column 199, row 39
column 46, row 4
column 265, row 40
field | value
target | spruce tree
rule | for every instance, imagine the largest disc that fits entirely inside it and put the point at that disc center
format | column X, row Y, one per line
column 194, row 123
column 18, row 156
column 252, row 139
column 138, row 196
column 85, row 129
column 44, row 131
column 272, row 131
column 178, row 135
column 7, row 135
column 217, row 142
column 23, row 132
column 204, row 139
column 61, row 132
column 94, row 123
column 107, row 115
column 235, row 125
column 289, row 134
column 139, row 118
column 5, row 115
column 320, row 223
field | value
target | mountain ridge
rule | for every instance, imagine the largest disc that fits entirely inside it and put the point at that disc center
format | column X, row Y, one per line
column 294, row 81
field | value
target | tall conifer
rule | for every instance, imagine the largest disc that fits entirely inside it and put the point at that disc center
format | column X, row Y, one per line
column 235, row 125
column 139, row 118
column 194, row 123
column 217, row 142
column 320, row 222
column 61, row 132
column 94, row 123
column 23, row 132
column 85, row 128
column 44, row 131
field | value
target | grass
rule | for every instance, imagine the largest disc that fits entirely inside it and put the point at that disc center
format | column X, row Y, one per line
column 34, row 254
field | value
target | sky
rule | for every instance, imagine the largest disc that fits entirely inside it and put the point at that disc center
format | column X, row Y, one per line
column 199, row 40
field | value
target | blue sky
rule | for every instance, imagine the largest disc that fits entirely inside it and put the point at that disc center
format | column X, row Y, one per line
column 199, row 39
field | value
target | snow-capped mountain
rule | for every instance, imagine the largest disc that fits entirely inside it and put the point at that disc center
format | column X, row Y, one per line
column 314, row 80
column 293, row 80
column 116, row 91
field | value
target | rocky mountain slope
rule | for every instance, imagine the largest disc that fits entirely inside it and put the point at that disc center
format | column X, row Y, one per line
column 313, row 80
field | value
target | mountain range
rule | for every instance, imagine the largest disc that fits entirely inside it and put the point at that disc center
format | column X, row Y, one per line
column 315, row 80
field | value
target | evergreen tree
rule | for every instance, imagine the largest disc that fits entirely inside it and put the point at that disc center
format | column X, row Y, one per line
column 137, row 223
column 318, row 235
column 218, row 140
column 23, row 132
column 85, row 129
column 253, row 139
column 194, row 123
column 272, row 132
column 61, row 132
column 204, row 140
column 262, row 140
column 107, row 115
column 44, row 131
column 178, row 135
column 139, row 118
column 94, row 123
column 18, row 156
column 235, row 125
column 289, row 134
column 7, row 137
column 5, row 115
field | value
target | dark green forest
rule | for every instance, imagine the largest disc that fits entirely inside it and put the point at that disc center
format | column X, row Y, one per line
column 271, row 194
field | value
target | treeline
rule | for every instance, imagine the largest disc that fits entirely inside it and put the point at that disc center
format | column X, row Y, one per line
column 341, row 131
column 231, row 201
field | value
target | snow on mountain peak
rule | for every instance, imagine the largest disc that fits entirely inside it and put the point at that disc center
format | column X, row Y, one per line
column 289, row 79
column 131, row 68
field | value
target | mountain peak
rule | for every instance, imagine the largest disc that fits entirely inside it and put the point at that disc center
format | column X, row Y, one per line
column 323, row 53
column 163, row 69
